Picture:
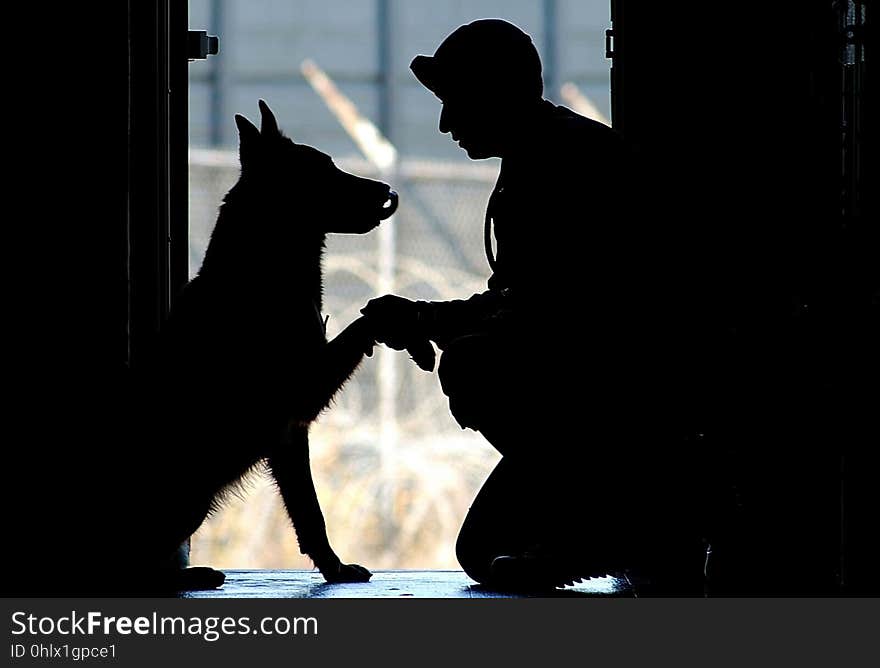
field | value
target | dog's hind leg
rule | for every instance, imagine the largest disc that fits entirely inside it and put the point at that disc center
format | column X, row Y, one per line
column 290, row 467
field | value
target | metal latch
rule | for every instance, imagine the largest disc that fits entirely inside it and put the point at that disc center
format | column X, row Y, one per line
column 609, row 46
column 200, row 45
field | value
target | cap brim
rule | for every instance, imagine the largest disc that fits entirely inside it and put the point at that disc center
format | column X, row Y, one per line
column 428, row 72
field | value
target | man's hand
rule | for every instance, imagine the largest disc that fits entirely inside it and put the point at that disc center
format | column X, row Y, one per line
column 394, row 320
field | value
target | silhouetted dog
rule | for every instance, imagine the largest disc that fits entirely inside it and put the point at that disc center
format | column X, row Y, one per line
column 244, row 353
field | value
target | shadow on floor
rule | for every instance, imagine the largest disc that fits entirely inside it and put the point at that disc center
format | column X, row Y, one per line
column 386, row 584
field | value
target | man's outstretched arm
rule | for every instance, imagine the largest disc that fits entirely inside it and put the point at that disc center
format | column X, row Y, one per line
column 399, row 322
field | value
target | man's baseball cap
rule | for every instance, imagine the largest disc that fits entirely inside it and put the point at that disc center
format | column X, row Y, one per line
column 488, row 55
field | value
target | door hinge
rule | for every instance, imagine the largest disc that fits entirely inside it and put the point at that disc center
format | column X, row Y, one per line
column 200, row 45
column 609, row 43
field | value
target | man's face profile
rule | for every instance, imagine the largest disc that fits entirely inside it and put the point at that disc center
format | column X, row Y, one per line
column 475, row 123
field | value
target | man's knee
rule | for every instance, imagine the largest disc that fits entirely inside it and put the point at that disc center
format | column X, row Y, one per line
column 465, row 364
column 470, row 382
column 472, row 555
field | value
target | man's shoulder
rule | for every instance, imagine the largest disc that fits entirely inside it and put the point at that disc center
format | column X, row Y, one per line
column 564, row 126
column 559, row 131
column 562, row 145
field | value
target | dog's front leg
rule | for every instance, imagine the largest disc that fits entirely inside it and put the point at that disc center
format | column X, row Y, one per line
column 292, row 472
column 338, row 361
column 344, row 354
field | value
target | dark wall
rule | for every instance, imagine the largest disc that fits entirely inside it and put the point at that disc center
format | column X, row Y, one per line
column 70, row 146
column 68, row 122
column 770, row 271
column 71, row 139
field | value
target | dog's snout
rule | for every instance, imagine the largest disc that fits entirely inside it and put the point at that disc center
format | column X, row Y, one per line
column 390, row 205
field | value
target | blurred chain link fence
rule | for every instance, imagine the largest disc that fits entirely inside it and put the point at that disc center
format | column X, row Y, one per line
column 394, row 485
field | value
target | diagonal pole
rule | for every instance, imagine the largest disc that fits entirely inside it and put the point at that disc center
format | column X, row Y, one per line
column 381, row 153
column 573, row 97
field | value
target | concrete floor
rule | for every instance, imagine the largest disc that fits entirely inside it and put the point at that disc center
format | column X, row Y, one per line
column 383, row 584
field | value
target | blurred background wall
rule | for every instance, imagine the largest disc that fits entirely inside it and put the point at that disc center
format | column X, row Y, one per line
column 394, row 473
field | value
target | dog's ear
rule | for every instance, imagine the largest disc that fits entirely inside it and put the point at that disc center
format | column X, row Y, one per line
column 268, row 124
column 248, row 139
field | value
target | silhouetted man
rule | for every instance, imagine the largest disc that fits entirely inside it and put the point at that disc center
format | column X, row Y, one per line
column 544, row 363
